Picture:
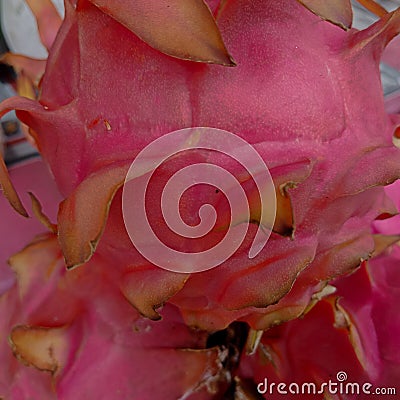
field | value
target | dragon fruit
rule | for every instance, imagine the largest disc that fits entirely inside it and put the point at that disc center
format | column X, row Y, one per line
column 57, row 350
column 304, row 92
column 82, row 339
column 348, row 337
column 59, row 328
column 353, row 331
column 16, row 231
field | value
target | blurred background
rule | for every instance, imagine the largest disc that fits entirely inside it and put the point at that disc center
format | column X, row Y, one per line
column 18, row 34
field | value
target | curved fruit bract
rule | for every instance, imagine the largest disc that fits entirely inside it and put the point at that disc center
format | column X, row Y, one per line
column 350, row 336
column 96, row 344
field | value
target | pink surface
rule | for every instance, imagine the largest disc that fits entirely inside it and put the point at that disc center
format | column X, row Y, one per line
column 304, row 92
column 15, row 230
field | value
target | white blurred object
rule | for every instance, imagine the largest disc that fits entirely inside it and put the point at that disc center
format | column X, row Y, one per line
column 364, row 18
column 18, row 24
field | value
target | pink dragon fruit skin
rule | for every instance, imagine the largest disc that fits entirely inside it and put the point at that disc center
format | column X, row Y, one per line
column 355, row 330
column 74, row 329
column 16, row 230
column 79, row 338
column 305, row 93
column 91, row 330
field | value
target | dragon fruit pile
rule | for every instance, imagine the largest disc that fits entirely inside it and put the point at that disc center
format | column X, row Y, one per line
column 85, row 316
